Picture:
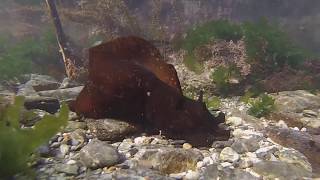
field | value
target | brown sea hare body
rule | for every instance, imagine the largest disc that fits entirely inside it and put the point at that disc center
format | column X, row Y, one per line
column 128, row 80
column 135, row 50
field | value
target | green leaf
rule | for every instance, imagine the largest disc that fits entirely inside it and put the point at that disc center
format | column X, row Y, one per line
column 261, row 106
column 17, row 144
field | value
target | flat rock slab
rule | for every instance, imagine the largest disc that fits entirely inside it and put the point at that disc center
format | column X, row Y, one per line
column 281, row 170
column 62, row 94
column 42, row 82
column 303, row 142
column 139, row 173
column 170, row 160
column 110, row 129
column 296, row 101
column 48, row 104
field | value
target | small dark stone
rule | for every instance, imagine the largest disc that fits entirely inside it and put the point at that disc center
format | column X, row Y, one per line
column 50, row 105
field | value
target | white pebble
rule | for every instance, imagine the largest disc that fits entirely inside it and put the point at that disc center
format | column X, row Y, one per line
column 200, row 164
column 226, row 164
column 207, row 161
column 192, row 175
column 71, row 162
column 296, row 129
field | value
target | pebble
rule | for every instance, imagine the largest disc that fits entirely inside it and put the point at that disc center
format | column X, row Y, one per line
column 252, row 157
column 245, row 163
column 142, row 140
column 125, row 145
column 70, row 169
column 44, row 150
column 282, row 124
column 296, row 129
column 64, row 149
column 55, row 145
column 207, row 160
column 309, row 113
column 229, row 155
column 200, row 164
column 186, row 146
column 245, row 145
column 215, row 157
column 226, row 164
column 235, row 121
column 159, row 141
column 178, row 175
column 60, row 139
column 265, row 152
column 71, row 162
column 192, row 175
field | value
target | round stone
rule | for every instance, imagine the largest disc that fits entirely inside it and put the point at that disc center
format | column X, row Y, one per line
column 229, row 155
column 99, row 154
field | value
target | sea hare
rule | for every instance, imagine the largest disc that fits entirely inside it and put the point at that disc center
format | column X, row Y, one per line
column 130, row 81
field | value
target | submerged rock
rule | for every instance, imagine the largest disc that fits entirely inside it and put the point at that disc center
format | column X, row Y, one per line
column 48, row 104
column 68, row 83
column 29, row 118
column 245, row 145
column 303, row 142
column 294, row 157
column 110, row 129
column 229, row 155
column 139, row 174
column 296, row 101
column 62, row 94
column 266, row 152
column 69, row 169
column 42, row 82
column 235, row 121
column 99, row 154
column 237, row 174
column 74, row 125
column 310, row 113
column 211, row 172
column 78, row 138
column 281, row 170
column 170, row 160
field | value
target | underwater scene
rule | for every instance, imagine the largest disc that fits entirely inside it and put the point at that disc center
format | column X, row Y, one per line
column 159, row 89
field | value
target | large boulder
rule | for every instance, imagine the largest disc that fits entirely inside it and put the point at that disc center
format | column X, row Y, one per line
column 62, row 94
column 281, row 170
column 296, row 101
column 42, row 82
column 308, row 145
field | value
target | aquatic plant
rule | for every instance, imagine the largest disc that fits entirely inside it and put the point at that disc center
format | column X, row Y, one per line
column 213, row 103
column 220, row 29
column 191, row 63
column 201, row 35
column 221, row 77
column 268, row 46
column 17, row 144
column 261, row 106
column 28, row 55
